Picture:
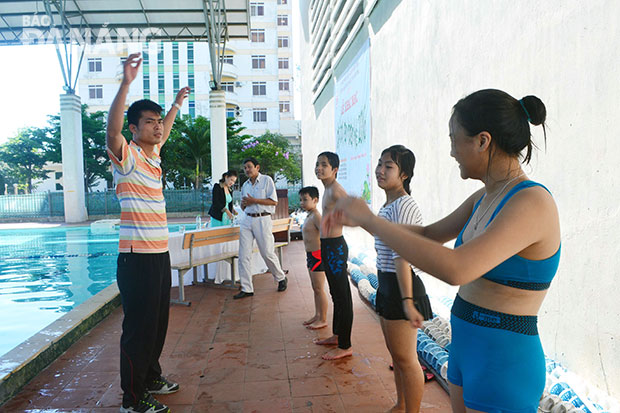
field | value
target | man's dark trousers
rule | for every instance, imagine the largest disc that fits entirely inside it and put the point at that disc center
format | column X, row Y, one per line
column 144, row 283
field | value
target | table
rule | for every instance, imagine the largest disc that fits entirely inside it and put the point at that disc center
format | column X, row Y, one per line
column 218, row 271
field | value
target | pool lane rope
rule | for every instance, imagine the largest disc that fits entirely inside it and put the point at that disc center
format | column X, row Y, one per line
column 44, row 257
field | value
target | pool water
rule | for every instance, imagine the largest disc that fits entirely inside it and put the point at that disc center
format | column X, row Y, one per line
column 44, row 273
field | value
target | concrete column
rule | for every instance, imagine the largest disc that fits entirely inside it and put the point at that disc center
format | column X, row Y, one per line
column 72, row 158
column 219, row 152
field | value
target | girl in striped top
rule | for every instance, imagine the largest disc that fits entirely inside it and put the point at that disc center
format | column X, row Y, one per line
column 401, row 302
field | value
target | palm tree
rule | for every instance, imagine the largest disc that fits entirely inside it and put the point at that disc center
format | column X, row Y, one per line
column 196, row 140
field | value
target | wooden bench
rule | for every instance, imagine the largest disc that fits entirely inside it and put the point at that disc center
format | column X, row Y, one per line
column 281, row 225
column 200, row 238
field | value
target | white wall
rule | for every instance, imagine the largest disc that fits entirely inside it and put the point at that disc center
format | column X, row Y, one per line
column 425, row 55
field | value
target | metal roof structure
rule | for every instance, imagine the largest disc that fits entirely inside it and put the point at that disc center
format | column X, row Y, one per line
column 105, row 21
column 91, row 22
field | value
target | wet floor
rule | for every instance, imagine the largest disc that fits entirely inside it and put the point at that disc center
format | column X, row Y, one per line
column 250, row 355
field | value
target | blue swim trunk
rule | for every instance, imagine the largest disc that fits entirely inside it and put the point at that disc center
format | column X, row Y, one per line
column 496, row 358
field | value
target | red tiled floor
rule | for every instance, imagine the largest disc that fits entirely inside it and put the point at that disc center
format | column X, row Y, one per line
column 251, row 355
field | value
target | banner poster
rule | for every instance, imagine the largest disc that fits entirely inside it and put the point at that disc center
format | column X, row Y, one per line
column 352, row 122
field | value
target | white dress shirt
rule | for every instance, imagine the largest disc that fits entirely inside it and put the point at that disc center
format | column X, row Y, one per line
column 262, row 188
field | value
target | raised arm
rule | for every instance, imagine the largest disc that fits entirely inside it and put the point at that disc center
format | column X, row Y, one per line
column 530, row 219
column 116, row 116
column 172, row 113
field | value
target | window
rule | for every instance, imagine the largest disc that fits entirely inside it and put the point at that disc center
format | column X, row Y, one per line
column 257, row 35
column 259, row 88
column 260, row 115
column 95, row 91
column 282, row 41
column 282, row 20
column 228, row 59
column 282, row 1
column 190, row 53
column 146, row 84
column 285, row 107
column 58, row 187
column 175, row 53
column 257, row 9
column 283, row 63
column 258, row 62
column 94, row 64
column 161, row 84
column 228, row 86
column 175, row 82
column 160, row 53
column 284, row 85
column 230, row 113
column 145, row 54
column 57, row 175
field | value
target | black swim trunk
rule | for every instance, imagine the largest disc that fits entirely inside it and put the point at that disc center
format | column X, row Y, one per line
column 314, row 261
column 335, row 253
column 389, row 304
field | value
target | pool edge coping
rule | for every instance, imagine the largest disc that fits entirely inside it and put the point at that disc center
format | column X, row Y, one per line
column 28, row 359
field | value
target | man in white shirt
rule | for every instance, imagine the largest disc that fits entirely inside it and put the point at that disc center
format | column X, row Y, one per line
column 258, row 201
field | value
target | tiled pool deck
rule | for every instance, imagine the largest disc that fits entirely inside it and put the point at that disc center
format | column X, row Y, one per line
column 250, row 355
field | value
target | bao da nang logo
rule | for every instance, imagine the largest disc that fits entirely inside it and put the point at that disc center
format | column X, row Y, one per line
column 36, row 20
column 40, row 29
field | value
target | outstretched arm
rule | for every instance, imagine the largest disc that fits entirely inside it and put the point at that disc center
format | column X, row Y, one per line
column 525, row 221
column 172, row 113
column 448, row 228
column 114, row 137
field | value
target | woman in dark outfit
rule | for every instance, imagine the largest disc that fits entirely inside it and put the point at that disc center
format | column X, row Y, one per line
column 221, row 210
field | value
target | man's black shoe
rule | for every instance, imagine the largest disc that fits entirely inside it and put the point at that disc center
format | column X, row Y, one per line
column 147, row 404
column 242, row 294
column 162, row 386
column 282, row 284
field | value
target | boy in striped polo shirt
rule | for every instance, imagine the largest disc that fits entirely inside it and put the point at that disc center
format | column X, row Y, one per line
column 143, row 268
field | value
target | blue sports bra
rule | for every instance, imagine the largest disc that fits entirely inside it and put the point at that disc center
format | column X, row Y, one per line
column 516, row 271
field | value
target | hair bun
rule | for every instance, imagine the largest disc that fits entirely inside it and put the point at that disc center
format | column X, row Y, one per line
column 535, row 109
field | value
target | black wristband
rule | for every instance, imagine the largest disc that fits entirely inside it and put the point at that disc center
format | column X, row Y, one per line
column 407, row 298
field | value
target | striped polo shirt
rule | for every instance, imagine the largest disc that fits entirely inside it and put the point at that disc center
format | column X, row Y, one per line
column 144, row 227
column 403, row 210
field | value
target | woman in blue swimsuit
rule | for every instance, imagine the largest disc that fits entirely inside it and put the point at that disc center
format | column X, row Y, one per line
column 506, row 254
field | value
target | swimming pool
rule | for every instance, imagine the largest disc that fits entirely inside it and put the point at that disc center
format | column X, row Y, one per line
column 44, row 273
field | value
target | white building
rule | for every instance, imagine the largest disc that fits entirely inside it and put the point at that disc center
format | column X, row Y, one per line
column 54, row 181
column 257, row 73
column 426, row 55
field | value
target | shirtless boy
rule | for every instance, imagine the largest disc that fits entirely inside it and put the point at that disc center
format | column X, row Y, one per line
column 309, row 198
column 335, row 251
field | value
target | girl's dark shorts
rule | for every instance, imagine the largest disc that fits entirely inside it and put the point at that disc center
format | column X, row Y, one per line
column 389, row 304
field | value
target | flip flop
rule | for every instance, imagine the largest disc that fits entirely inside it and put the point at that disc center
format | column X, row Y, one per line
column 428, row 376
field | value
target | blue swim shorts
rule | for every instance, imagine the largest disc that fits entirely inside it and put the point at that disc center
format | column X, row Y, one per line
column 496, row 358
